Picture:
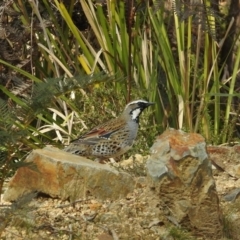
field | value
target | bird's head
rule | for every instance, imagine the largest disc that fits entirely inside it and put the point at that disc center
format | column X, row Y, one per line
column 135, row 108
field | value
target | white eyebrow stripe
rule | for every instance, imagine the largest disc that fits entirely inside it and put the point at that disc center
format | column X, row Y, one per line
column 136, row 101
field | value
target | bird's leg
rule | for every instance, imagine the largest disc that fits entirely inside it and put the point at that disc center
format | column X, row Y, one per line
column 100, row 160
column 112, row 160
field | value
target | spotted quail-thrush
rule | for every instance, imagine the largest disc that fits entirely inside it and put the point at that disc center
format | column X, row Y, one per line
column 113, row 138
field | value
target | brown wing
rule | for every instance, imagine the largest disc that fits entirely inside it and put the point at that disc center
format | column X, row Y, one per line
column 103, row 131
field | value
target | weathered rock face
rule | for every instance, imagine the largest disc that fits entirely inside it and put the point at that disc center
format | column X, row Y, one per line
column 179, row 172
column 60, row 174
column 222, row 156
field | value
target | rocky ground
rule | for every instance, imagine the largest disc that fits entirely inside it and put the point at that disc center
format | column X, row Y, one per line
column 231, row 209
column 138, row 216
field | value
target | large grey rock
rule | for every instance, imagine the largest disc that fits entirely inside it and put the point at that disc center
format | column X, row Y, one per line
column 60, row 174
column 179, row 173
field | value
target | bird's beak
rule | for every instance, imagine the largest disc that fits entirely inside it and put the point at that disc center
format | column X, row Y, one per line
column 151, row 103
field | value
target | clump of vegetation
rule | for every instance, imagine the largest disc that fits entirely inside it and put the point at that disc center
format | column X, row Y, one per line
column 231, row 220
column 180, row 234
column 18, row 214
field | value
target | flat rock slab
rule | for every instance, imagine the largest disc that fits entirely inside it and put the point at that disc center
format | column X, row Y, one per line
column 67, row 176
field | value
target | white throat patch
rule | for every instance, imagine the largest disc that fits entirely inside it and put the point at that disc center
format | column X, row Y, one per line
column 135, row 113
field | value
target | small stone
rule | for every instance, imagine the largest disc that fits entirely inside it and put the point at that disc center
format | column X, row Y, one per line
column 105, row 236
column 232, row 195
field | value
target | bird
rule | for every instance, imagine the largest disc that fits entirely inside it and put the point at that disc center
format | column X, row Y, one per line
column 112, row 138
